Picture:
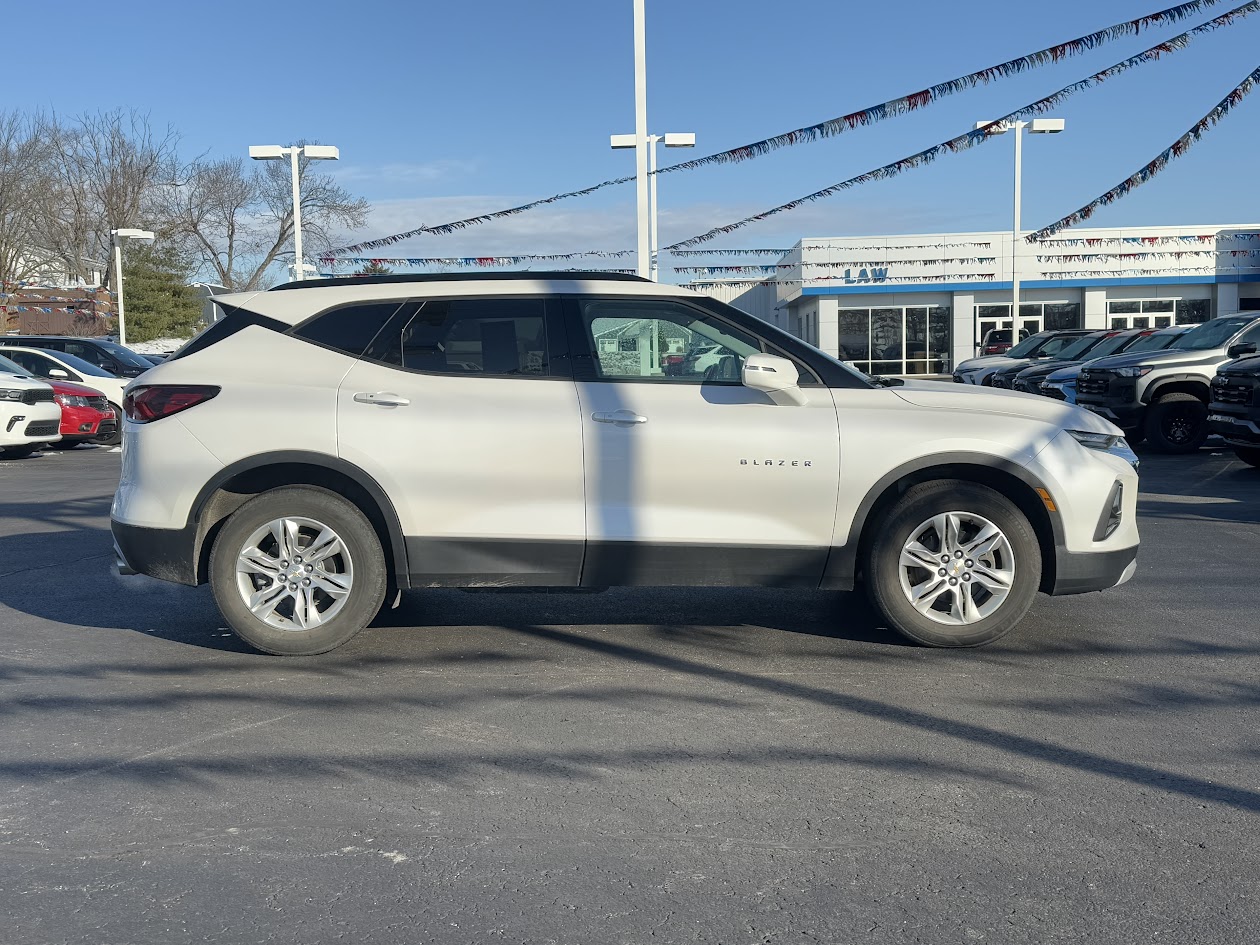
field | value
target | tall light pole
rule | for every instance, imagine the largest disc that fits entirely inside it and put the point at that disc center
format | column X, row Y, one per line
column 640, row 140
column 313, row 152
column 117, row 236
column 1038, row 126
column 679, row 140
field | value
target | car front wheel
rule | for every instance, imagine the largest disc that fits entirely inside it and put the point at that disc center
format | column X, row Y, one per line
column 953, row 564
column 297, row 571
column 1177, row 423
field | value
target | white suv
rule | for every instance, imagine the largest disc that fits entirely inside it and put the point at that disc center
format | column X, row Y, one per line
column 332, row 441
column 30, row 418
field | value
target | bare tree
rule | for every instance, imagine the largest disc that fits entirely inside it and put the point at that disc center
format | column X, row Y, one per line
column 237, row 219
column 23, row 183
column 107, row 170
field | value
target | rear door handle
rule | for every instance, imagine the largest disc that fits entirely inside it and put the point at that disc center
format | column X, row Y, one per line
column 617, row 416
column 382, row 398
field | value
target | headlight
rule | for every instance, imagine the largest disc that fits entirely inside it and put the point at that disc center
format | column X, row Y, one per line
column 6, row 394
column 1131, row 371
column 70, row 400
column 1106, row 443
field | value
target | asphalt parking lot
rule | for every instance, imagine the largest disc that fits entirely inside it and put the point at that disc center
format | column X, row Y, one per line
column 717, row 766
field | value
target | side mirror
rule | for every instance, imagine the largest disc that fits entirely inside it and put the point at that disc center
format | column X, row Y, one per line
column 773, row 375
column 1238, row 350
column 57, row 372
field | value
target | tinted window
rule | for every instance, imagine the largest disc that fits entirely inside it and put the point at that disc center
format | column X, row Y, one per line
column 471, row 336
column 37, row 364
column 663, row 341
column 124, row 355
column 91, row 354
column 349, row 329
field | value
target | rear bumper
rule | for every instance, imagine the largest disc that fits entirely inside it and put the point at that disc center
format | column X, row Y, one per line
column 1092, row 571
column 162, row 553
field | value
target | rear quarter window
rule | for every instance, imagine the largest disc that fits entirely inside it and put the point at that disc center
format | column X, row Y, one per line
column 349, row 329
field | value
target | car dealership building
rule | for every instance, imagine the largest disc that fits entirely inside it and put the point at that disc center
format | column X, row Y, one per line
column 920, row 304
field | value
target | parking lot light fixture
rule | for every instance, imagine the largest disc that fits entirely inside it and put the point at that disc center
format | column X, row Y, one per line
column 313, row 152
column 116, row 237
column 672, row 140
column 1038, row 126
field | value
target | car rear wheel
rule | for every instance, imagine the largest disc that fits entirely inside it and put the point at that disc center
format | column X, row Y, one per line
column 953, row 564
column 1248, row 454
column 1177, row 423
column 297, row 571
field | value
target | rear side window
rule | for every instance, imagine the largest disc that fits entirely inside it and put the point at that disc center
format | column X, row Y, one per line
column 471, row 336
column 349, row 329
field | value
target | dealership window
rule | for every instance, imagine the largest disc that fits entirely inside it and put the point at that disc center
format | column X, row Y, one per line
column 1157, row 313
column 896, row 339
column 1033, row 316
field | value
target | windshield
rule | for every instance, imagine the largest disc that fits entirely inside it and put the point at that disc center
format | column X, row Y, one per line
column 1026, row 347
column 1079, row 347
column 10, row 367
column 1211, row 334
column 1110, row 345
column 1152, row 342
column 125, row 355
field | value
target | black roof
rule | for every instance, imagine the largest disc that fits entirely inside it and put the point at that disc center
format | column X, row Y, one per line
column 462, row 277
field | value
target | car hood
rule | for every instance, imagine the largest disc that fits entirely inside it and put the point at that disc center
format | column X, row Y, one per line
column 1063, row 373
column 1245, row 366
column 21, row 381
column 1156, row 358
column 965, row 397
column 996, row 362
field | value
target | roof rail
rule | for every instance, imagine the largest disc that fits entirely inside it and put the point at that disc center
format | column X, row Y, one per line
column 558, row 276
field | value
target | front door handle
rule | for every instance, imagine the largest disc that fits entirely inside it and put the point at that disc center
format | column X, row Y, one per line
column 382, row 398
column 617, row 416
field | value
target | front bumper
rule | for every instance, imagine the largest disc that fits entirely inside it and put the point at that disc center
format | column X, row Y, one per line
column 1237, row 430
column 1092, row 571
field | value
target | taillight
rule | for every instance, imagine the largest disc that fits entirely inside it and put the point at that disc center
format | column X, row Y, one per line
column 146, row 404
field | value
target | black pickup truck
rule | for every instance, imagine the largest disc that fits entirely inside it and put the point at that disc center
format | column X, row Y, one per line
column 1235, row 409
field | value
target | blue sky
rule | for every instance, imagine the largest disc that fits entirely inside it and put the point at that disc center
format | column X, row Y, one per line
column 442, row 110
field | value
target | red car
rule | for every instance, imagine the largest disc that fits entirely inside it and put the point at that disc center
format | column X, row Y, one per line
column 85, row 414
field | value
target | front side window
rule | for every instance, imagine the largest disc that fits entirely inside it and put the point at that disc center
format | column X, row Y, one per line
column 91, row 354
column 663, row 341
column 492, row 336
column 35, row 364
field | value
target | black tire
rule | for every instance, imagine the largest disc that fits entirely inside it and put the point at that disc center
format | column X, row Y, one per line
column 64, row 444
column 1176, row 423
column 327, row 509
column 1248, row 454
column 20, row 452
column 897, row 527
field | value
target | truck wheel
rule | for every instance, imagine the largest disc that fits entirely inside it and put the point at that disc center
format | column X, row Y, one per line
column 297, row 571
column 953, row 564
column 1248, row 454
column 1177, row 423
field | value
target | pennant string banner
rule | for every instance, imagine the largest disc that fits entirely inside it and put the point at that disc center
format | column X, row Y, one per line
column 511, row 260
column 1161, row 161
column 970, row 139
column 921, row 99
column 835, row 126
